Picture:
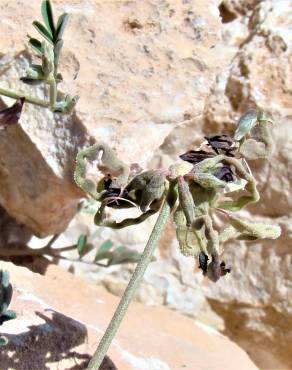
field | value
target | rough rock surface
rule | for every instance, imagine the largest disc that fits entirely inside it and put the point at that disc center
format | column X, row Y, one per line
column 256, row 302
column 140, row 67
column 253, row 304
column 53, row 331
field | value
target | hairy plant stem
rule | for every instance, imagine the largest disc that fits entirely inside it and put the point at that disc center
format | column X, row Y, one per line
column 135, row 279
column 28, row 98
column 53, row 92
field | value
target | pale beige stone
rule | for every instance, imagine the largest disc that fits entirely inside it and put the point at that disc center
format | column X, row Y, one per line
column 140, row 67
column 60, row 320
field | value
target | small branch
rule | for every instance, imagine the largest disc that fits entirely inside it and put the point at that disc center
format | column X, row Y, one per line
column 28, row 99
column 52, row 240
column 26, row 251
column 135, row 281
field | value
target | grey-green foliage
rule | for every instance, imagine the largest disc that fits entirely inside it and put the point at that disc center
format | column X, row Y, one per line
column 108, row 252
column 49, row 50
column 207, row 184
column 5, row 299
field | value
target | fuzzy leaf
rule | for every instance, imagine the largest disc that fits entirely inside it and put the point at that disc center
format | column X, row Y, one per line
column 36, row 45
column 43, row 31
column 61, row 25
column 47, row 13
column 245, row 124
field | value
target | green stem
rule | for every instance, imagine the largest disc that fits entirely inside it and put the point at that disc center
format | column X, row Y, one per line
column 28, row 99
column 53, row 92
column 135, row 281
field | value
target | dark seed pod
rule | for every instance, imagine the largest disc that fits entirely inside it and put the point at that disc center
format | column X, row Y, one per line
column 203, row 262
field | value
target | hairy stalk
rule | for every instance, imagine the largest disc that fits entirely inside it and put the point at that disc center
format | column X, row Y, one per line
column 135, row 280
column 53, row 92
column 28, row 98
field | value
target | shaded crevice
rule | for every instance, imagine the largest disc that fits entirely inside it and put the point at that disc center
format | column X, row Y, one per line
column 225, row 14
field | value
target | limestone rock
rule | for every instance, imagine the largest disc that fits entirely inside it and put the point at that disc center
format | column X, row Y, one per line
column 255, row 299
column 57, row 331
column 140, row 69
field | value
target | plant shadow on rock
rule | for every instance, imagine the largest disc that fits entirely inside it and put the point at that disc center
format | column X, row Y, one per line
column 52, row 341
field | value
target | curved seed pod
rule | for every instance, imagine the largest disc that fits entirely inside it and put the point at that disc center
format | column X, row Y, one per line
column 154, row 190
column 261, row 143
column 254, row 230
column 99, row 219
column 191, row 241
column 108, row 163
column 211, row 234
column 186, row 200
column 207, row 165
column 88, row 185
column 241, row 172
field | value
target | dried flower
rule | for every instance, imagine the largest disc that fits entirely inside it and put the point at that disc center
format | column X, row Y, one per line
column 196, row 156
column 221, row 143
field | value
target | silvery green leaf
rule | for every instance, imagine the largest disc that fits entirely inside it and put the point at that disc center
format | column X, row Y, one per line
column 43, row 31
column 61, row 25
column 47, row 13
column 245, row 124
